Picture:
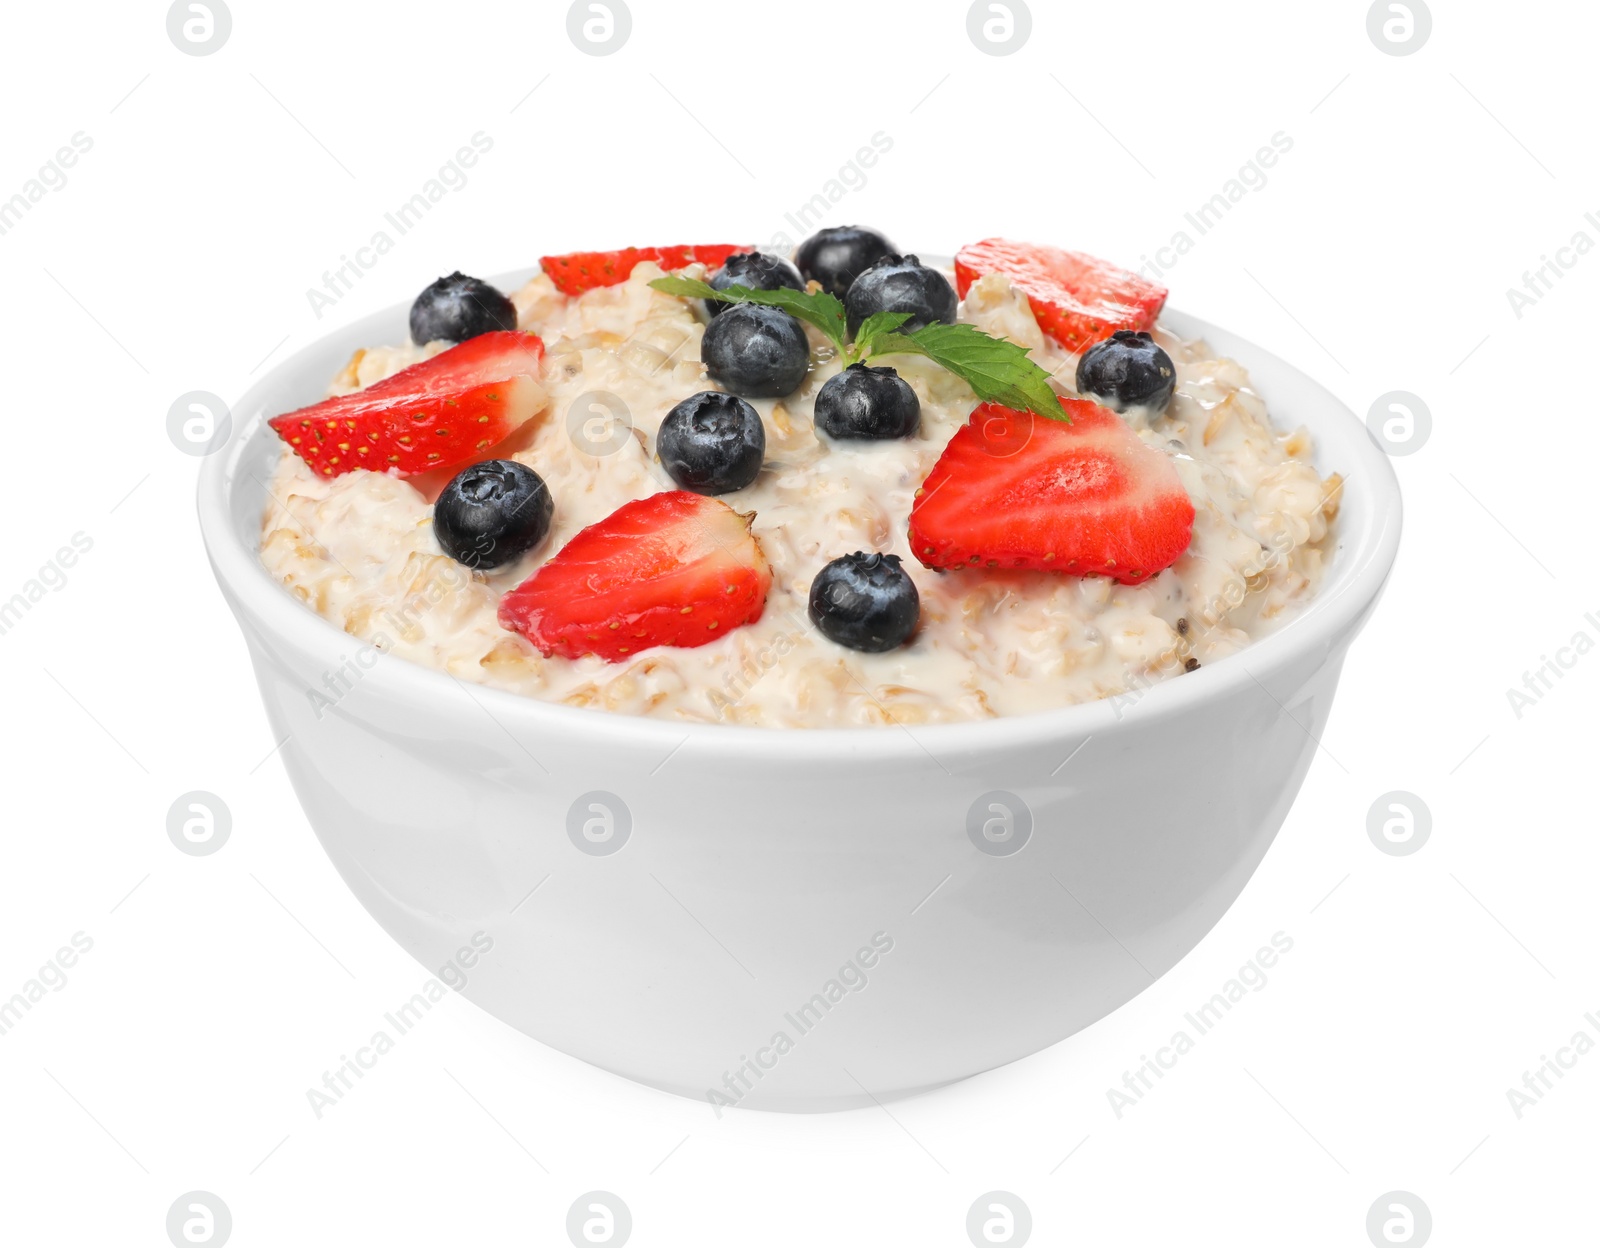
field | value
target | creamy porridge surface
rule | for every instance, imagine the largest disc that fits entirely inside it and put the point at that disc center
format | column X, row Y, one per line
column 359, row 549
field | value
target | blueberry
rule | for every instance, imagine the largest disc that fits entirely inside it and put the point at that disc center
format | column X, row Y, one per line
column 459, row 307
column 753, row 269
column 712, row 443
column 1127, row 370
column 901, row 284
column 865, row 602
column 835, row 257
column 492, row 513
column 758, row 352
column 867, row 402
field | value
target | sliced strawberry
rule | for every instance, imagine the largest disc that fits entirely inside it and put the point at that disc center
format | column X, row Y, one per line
column 1087, row 498
column 1076, row 299
column 441, row 413
column 674, row 569
column 585, row 270
column 488, row 357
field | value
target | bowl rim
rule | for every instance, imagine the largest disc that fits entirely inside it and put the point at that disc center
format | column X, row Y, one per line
column 1353, row 582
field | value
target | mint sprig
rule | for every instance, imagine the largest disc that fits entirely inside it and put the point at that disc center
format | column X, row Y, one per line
column 874, row 327
column 820, row 309
column 998, row 370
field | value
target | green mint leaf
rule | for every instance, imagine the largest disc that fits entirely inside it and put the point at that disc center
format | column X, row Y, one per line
column 684, row 287
column 999, row 371
column 820, row 308
column 875, row 325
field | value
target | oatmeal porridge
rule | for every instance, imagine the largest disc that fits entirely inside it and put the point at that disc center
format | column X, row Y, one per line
column 707, row 509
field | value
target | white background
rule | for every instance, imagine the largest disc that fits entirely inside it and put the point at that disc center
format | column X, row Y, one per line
column 178, row 256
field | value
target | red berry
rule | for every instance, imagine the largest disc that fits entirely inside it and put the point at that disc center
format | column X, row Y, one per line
column 442, row 413
column 674, row 569
column 585, row 270
column 1077, row 299
column 1087, row 498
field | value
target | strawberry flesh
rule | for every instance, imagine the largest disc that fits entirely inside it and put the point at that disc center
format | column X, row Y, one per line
column 1077, row 299
column 488, row 357
column 1086, row 498
column 674, row 569
column 445, row 412
column 586, row 270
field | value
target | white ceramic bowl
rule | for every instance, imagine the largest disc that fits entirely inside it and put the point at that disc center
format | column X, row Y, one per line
column 760, row 861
